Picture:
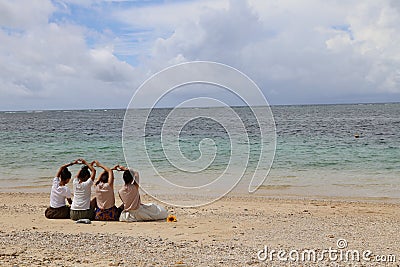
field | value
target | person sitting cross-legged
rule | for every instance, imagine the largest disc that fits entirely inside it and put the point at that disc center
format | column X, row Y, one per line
column 105, row 199
column 82, row 207
column 134, row 210
column 59, row 193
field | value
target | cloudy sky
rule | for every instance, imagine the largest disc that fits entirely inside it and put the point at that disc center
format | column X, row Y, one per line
column 69, row 54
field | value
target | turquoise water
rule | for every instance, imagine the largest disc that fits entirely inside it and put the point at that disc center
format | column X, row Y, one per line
column 317, row 152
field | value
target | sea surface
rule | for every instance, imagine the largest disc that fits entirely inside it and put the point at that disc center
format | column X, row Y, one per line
column 341, row 151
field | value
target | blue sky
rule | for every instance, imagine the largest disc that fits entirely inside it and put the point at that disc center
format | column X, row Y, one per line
column 76, row 54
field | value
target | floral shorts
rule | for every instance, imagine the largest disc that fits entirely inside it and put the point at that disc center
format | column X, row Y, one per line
column 111, row 214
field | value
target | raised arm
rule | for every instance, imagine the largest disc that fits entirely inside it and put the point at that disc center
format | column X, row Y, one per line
column 135, row 174
column 136, row 177
column 109, row 171
column 65, row 166
column 91, row 168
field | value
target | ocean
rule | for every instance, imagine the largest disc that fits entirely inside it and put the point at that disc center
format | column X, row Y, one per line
column 340, row 151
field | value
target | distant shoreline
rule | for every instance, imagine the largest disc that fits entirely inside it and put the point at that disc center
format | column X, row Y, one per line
column 239, row 106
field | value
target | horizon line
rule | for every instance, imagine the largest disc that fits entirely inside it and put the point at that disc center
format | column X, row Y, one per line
column 171, row 107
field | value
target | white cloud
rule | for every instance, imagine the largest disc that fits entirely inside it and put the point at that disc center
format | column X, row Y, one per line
column 306, row 51
column 376, row 35
column 24, row 14
column 146, row 24
column 297, row 51
column 50, row 65
column 167, row 16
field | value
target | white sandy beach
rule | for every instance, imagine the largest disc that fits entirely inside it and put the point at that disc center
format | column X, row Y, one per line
column 229, row 232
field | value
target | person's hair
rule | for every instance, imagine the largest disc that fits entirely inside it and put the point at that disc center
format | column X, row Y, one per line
column 84, row 173
column 127, row 176
column 65, row 174
column 103, row 178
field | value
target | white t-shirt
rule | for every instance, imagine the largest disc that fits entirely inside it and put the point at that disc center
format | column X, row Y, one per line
column 82, row 193
column 58, row 194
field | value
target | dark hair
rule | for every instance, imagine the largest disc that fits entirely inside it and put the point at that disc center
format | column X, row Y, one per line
column 127, row 176
column 84, row 173
column 103, row 178
column 65, row 174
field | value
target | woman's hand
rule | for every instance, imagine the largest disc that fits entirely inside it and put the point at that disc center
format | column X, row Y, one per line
column 122, row 168
column 74, row 162
column 98, row 164
column 115, row 168
column 82, row 161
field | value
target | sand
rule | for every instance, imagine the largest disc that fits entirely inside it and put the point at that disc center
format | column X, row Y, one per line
column 233, row 231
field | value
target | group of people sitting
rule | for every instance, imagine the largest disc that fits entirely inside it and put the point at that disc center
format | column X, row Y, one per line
column 102, row 206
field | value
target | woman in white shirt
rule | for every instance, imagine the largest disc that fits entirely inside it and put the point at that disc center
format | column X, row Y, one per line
column 59, row 193
column 82, row 207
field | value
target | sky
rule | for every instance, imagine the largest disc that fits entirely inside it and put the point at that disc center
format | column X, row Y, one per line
column 82, row 54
